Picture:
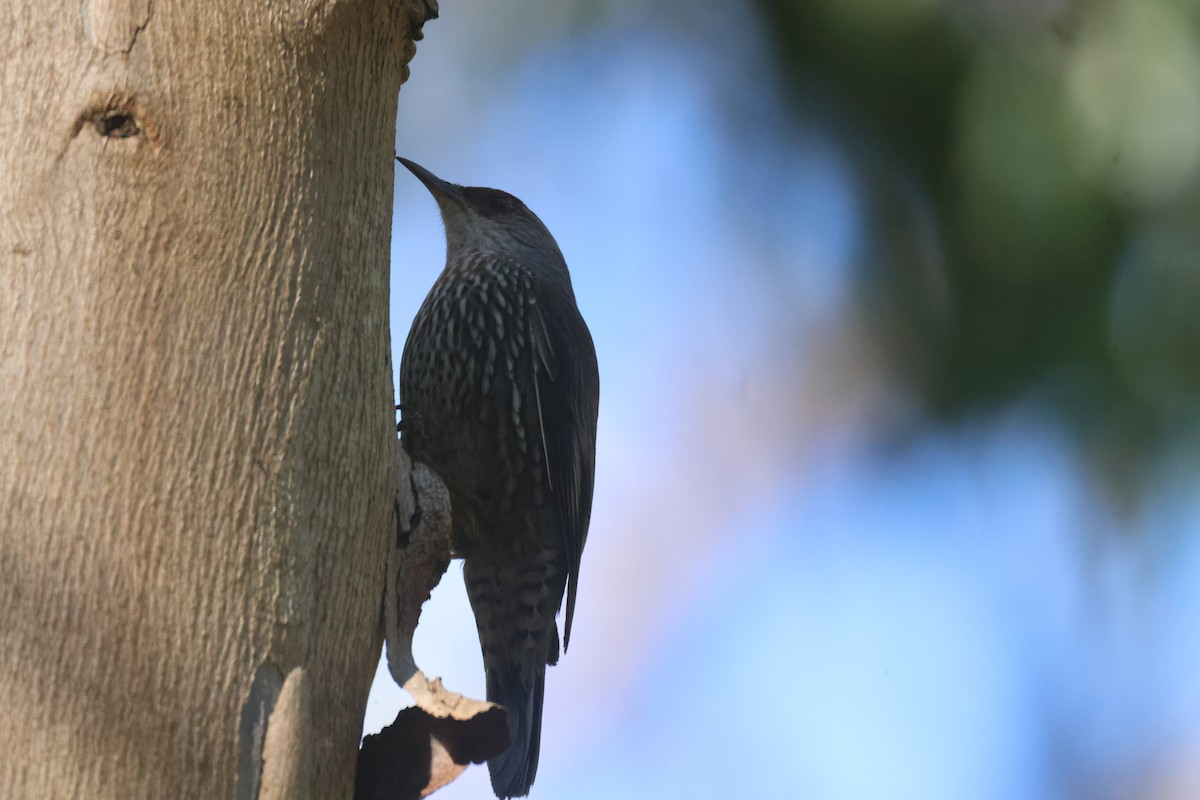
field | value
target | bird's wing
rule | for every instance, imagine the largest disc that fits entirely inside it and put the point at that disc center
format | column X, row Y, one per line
column 567, row 391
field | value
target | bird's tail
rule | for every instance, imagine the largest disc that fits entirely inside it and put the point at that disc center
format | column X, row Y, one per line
column 514, row 771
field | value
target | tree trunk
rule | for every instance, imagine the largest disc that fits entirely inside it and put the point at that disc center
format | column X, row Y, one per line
column 197, row 468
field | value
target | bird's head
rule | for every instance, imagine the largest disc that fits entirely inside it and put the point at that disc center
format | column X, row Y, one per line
column 488, row 220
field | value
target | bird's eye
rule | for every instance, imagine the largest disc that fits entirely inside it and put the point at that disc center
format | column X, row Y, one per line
column 500, row 203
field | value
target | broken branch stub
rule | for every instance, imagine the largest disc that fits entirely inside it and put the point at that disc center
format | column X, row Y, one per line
column 429, row 745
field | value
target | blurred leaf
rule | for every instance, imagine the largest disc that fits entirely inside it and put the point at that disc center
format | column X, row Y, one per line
column 1008, row 166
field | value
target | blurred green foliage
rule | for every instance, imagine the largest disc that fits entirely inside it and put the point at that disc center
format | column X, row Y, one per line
column 1030, row 170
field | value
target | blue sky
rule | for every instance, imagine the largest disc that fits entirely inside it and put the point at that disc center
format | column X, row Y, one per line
column 775, row 600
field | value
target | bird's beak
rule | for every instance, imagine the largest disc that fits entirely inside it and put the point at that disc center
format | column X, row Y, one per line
column 441, row 190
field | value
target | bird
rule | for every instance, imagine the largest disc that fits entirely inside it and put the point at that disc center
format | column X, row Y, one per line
column 499, row 395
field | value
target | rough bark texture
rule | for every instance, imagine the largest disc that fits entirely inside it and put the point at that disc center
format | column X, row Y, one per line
column 197, row 472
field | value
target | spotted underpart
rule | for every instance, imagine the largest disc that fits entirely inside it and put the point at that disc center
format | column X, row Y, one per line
column 478, row 312
column 499, row 389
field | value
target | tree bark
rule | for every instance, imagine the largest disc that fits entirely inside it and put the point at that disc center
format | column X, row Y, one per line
column 197, row 471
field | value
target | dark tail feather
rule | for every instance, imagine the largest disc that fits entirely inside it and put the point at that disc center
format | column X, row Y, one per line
column 513, row 772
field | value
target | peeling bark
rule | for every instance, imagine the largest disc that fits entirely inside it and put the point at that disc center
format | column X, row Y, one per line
column 430, row 744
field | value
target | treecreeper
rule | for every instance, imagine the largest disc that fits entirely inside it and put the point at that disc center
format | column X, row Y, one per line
column 499, row 394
